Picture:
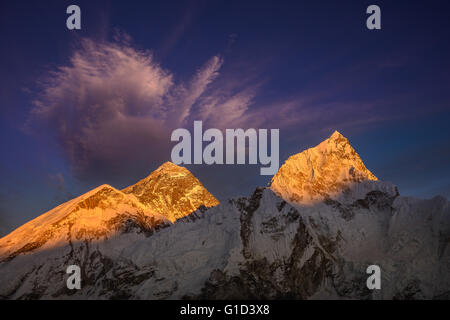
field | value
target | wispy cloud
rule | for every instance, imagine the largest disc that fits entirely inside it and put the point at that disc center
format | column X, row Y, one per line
column 186, row 18
column 185, row 96
column 114, row 105
column 106, row 106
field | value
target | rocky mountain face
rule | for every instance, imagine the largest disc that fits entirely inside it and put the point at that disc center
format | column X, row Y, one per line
column 172, row 191
column 325, row 171
column 322, row 251
column 273, row 244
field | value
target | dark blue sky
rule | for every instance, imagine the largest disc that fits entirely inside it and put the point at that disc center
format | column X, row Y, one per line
column 306, row 67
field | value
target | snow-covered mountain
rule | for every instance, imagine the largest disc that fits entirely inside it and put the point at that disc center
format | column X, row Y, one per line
column 170, row 191
column 311, row 243
column 94, row 215
column 325, row 171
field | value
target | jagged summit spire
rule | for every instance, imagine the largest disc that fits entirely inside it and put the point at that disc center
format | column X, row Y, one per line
column 320, row 172
column 336, row 135
column 337, row 138
column 336, row 141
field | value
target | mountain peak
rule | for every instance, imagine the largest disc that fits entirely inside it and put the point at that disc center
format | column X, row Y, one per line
column 324, row 171
column 170, row 166
column 337, row 139
column 171, row 169
column 336, row 135
column 172, row 191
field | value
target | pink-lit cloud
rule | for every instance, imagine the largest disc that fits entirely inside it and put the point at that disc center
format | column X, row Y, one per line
column 113, row 107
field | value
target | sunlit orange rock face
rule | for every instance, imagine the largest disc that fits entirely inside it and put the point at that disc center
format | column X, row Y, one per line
column 321, row 172
column 172, row 191
column 169, row 193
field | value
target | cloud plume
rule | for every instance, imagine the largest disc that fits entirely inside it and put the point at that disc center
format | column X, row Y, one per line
column 113, row 105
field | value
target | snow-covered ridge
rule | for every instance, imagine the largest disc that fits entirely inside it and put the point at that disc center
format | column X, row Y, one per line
column 104, row 211
column 310, row 235
column 93, row 215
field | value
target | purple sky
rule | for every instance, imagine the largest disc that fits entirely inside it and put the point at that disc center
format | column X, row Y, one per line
column 83, row 108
